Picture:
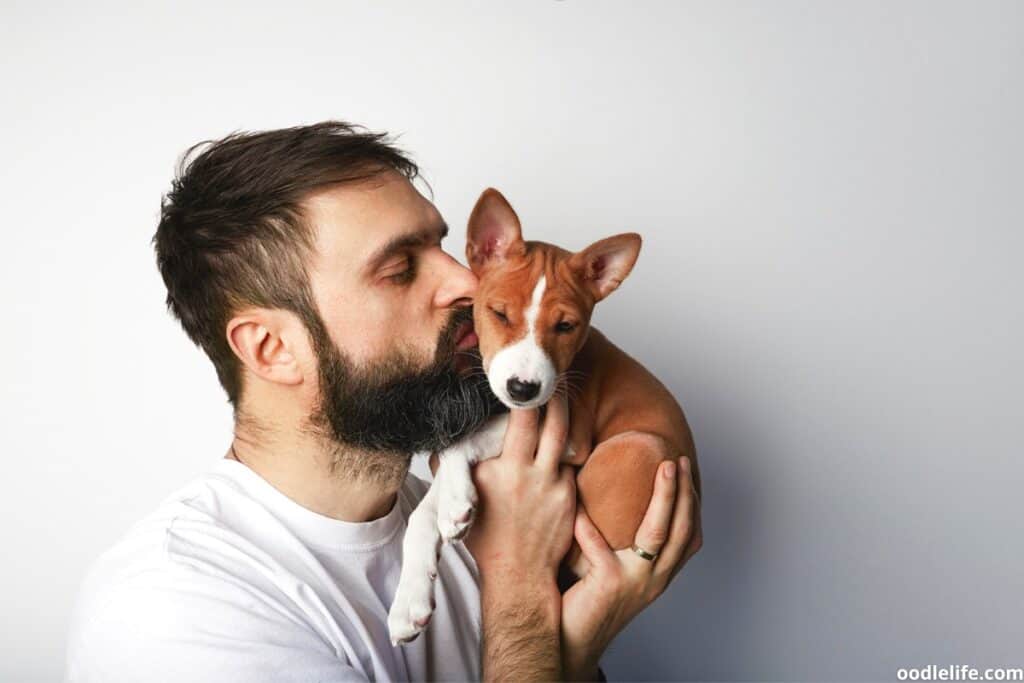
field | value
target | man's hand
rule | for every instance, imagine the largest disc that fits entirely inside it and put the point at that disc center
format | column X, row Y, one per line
column 525, row 520
column 621, row 584
column 524, row 527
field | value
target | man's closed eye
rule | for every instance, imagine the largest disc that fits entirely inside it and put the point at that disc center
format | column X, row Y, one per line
column 402, row 272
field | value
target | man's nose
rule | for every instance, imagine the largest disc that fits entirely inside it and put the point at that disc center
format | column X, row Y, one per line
column 458, row 285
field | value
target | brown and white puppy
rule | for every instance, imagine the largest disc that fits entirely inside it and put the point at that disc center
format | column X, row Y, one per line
column 532, row 315
column 532, row 312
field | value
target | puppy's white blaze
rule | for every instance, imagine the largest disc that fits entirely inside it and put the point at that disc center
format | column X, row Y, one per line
column 534, row 309
column 524, row 359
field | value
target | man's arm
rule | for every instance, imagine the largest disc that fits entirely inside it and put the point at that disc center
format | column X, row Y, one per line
column 523, row 529
column 521, row 638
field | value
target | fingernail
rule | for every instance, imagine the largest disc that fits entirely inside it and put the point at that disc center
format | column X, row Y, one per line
column 669, row 470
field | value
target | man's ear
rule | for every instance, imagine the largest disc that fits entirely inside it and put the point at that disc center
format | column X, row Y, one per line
column 263, row 341
column 494, row 232
column 605, row 264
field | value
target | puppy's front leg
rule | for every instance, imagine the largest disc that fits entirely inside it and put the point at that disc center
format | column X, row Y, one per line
column 414, row 599
column 456, row 500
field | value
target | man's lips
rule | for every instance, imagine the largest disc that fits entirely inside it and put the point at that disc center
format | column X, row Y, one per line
column 465, row 336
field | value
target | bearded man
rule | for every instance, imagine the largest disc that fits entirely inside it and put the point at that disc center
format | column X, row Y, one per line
column 308, row 267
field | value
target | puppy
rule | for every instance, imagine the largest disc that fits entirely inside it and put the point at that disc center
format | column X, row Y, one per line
column 532, row 317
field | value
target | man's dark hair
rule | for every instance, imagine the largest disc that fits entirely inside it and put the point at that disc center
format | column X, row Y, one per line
column 232, row 233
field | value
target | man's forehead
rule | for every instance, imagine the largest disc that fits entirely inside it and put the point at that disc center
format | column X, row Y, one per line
column 353, row 222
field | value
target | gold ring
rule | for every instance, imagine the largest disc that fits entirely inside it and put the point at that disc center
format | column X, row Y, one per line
column 650, row 557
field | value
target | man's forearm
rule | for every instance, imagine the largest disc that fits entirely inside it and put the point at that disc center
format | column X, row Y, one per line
column 521, row 624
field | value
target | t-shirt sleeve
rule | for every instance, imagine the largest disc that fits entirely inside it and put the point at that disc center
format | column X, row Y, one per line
column 181, row 625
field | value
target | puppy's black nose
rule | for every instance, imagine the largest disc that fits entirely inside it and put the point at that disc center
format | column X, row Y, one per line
column 522, row 391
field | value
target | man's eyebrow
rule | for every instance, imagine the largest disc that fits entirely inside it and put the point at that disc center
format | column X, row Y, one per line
column 408, row 240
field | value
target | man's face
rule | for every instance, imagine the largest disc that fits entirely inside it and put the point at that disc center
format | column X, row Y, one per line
column 400, row 370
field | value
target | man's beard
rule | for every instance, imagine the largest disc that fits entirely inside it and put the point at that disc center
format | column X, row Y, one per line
column 396, row 407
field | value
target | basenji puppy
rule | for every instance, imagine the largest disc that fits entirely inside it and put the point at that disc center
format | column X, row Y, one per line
column 531, row 314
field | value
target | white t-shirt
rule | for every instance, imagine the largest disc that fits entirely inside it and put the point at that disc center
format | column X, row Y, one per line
column 230, row 580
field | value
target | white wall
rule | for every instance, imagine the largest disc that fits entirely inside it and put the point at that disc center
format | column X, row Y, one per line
column 830, row 195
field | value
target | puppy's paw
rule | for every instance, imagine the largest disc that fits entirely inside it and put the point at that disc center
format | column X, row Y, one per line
column 456, row 507
column 454, row 524
column 412, row 609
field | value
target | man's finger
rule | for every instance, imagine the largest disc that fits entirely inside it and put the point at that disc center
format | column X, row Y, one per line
column 697, row 535
column 696, row 538
column 654, row 529
column 594, row 548
column 682, row 522
column 520, row 435
column 554, row 434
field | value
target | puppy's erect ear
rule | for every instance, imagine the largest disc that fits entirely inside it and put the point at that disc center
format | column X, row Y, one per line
column 494, row 232
column 605, row 264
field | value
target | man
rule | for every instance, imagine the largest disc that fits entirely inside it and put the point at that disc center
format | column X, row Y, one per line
column 309, row 269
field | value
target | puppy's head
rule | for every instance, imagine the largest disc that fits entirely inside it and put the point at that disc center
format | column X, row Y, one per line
column 532, row 307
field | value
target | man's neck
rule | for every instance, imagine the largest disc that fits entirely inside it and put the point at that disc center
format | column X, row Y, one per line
column 320, row 476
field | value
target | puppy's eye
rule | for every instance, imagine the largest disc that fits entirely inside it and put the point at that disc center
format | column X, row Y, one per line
column 500, row 316
column 565, row 327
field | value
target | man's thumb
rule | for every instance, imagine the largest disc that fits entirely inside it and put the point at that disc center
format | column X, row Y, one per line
column 595, row 549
